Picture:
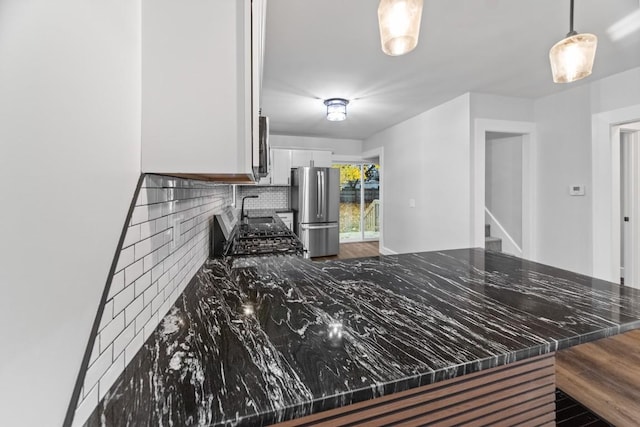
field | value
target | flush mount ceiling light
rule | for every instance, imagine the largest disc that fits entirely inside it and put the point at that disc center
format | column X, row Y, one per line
column 336, row 109
column 572, row 58
column 399, row 22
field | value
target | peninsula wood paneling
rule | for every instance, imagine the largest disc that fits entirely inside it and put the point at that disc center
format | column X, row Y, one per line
column 520, row 393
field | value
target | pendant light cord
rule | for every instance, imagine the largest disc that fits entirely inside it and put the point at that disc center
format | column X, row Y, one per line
column 571, row 32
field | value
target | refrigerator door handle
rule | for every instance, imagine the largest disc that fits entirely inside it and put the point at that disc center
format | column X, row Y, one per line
column 324, row 199
column 319, row 194
column 318, row 227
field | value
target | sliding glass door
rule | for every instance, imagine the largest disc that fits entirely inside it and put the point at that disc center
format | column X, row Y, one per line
column 359, row 202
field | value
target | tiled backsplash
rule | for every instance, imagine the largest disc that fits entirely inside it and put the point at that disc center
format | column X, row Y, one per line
column 270, row 197
column 166, row 242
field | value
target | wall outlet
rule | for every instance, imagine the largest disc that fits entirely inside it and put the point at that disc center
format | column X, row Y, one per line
column 412, row 203
column 576, row 190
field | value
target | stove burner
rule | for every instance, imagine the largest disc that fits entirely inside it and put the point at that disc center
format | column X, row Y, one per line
column 265, row 238
column 253, row 246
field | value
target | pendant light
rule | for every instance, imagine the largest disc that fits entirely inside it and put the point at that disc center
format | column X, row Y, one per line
column 336, row 109
column 572, row 58
column 399, row 22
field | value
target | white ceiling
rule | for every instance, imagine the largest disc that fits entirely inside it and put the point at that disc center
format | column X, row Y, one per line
column 318, row 49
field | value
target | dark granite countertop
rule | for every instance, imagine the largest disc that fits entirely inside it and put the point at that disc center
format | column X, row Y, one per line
column 259, row 340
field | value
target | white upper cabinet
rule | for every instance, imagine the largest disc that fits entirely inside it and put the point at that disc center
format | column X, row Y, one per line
column 320, row 158
column 282, row 160
column 200, row 85
column 280, row 167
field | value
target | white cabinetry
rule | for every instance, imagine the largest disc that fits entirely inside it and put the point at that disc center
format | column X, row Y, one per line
column 282, row 160
column 200, row 85
column 280, row 167
column 287, row 218
column 320, row 158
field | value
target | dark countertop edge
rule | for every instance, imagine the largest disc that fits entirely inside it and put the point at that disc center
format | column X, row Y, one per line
column 383, row 389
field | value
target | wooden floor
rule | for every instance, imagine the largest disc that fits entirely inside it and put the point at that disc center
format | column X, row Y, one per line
column 604, row 376
column 354, row 250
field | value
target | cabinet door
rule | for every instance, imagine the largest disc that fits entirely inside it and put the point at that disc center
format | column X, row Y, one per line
column 322, row 159
column 197, row 108
column 280, row 167
column 301, row 158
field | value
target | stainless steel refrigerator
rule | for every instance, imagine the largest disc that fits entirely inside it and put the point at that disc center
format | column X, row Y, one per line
column 315, row 200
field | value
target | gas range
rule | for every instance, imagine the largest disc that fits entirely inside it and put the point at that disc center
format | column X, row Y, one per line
column 266, row 245
column 253, row 236
column 265, row 238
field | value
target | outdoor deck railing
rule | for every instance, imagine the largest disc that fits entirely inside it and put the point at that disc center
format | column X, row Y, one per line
column 372, row 216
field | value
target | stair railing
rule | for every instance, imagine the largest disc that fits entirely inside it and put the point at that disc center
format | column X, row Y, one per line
column 503, row 234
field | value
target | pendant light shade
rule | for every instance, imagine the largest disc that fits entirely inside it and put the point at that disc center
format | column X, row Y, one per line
column 399, row 22
column 572, row 58
column 336, row 109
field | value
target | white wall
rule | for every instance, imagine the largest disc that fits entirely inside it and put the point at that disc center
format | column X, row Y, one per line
column 70, row 139
column 427, row 158
column 339, row 147
column 615, row 92
column 503, row 183
column 564, row 159
column 498, row 107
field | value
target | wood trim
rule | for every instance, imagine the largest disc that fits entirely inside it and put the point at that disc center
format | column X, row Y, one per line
column 219, row 177
column 518, row 392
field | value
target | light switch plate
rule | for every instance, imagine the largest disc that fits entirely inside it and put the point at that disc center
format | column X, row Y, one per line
column 576, row 190
column 412, row 203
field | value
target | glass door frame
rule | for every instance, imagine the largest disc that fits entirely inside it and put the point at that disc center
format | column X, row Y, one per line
column 360, row 164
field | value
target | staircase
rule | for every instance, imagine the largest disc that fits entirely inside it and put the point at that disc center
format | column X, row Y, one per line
column 491, row 243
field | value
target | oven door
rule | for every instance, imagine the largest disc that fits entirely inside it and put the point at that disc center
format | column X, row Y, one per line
column 321, row 239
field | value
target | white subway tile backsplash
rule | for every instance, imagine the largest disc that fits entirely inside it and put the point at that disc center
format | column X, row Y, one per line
column 132, row 272
column 147, row 229
column 86, row 406
column 110, row 332
column 143, row 248
column 117, row 284
column 133, row 309
column 143, row 318
column 110, row 376
column 99, row 367
column 123, row 339
column 140, row 214
column 142, row 283
column 151, row 273
column 94, row 355
column 157, row 271
column 126, row 258
column 107, row 314
column 150, row 326
column 132, row 235
column 123, row 299
column 157, row 302
column 155, row 211
column 133, row 347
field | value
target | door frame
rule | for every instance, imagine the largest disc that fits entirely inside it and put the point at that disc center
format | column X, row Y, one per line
column 365, row 158
column 605, row 184
column 630, row 204
column 529, row 170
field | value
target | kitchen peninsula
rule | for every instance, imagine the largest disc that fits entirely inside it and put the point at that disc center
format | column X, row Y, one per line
column 260, row 340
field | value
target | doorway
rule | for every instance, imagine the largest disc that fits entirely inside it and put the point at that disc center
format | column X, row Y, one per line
column 629, row 205
column 503, row 192
column 526, row 134
column 359, row 201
